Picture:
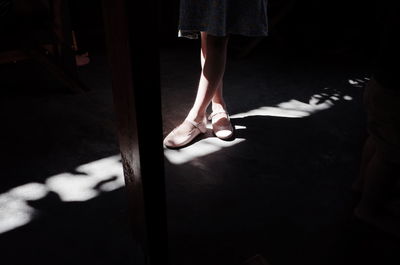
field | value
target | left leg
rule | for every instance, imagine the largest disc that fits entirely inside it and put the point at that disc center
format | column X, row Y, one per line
column 219, row 118
column 213, row 67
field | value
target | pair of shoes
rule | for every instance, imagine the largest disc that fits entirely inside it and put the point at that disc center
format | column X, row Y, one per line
column 185, row 133
column 221, row 125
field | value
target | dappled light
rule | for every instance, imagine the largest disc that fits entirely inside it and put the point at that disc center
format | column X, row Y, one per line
column 82, row 187
column 293, row 108
column 359, row 82
column 201, row 148
column 297, row 109
column 14, row 209
column 89, row 181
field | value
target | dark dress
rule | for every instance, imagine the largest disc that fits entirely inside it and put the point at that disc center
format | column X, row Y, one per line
column 223, row 17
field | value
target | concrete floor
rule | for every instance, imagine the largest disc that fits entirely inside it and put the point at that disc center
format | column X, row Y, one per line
column 281, row 188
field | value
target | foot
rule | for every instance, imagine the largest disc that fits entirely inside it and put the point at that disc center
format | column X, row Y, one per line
column 185, row 133
column 221, row 124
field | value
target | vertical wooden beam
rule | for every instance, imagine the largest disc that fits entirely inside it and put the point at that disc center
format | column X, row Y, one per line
column 134, row 60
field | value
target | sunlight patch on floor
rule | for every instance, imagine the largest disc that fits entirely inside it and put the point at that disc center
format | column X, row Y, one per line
column 295, row 108
column 289, row 109
column 92, row 179
column 198, row 149
column 89, row 181
column 14, row 209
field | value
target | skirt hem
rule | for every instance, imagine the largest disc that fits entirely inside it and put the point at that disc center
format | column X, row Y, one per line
column 195, row 33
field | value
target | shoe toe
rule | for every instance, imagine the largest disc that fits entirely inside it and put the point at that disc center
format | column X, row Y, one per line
column 184, row 134
column 169, row 143
column 224, row 134
column 179, row 140
column 173, row 141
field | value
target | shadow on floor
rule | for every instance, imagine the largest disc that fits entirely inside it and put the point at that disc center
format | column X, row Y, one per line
column 282, row 188
column 61, row 191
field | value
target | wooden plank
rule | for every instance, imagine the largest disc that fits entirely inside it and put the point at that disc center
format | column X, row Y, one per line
column 134, row 62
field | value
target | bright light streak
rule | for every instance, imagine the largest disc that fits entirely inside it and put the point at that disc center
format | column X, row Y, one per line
column 199, row 149
column 271, row 111
column 14, row 210
column 104, row 175
column 82, row 187
column 29, row 192
column 359, row 82
column 291, row 109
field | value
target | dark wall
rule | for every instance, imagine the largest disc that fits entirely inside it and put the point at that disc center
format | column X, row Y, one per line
column 87, row 22
column 308, row 24
column 331, row 24
column 168, row 20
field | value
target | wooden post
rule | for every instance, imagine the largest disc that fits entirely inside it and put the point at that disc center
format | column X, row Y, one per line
column 134, row 60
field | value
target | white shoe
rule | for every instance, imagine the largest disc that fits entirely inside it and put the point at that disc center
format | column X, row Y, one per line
column 221, row 125
column 185, row 133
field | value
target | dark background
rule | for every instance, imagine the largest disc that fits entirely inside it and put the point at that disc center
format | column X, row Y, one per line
column 46, row 131
column 313, row 26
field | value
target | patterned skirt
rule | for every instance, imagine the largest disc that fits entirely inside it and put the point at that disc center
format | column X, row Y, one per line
column 223, row 17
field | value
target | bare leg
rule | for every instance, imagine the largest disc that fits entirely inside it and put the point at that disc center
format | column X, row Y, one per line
column 213, row 59
column 218, row 102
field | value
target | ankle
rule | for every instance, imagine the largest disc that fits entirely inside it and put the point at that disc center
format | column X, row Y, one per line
column 218, row 106
column 196, row 116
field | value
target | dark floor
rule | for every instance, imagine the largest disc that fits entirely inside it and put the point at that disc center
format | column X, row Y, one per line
column 281, row 188
column 60, row 167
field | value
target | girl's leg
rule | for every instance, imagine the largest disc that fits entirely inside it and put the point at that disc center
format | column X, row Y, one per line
column 218, row 102
column 213, row 58
column 221, row 124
